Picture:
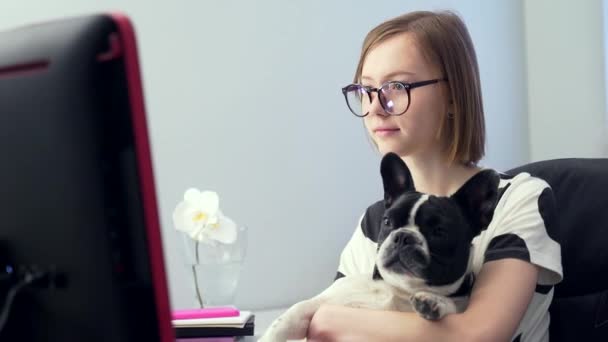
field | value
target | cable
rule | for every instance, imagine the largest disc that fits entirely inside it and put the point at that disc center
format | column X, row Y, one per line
column 29, row 278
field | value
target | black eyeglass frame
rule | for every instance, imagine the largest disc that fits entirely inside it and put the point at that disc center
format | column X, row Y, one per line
column 369, row 90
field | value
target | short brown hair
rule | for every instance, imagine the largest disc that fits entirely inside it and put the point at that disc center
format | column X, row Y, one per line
column 445, row 42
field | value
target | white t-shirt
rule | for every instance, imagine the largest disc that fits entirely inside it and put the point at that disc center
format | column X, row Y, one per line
column 523, row 215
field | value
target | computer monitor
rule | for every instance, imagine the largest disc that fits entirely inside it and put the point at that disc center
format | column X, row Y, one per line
column 80, row 247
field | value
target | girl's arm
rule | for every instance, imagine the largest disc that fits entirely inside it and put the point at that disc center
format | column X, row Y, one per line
column 498, row 302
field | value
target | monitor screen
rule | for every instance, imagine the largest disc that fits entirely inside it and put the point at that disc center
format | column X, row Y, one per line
column 80, row 248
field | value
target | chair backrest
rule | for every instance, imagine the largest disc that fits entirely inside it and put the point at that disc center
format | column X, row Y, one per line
column 579, row 311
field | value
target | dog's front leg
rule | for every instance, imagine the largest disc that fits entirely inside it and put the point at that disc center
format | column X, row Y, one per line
column 293, row 324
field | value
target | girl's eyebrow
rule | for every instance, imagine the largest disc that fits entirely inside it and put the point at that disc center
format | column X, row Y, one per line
column 389, row 75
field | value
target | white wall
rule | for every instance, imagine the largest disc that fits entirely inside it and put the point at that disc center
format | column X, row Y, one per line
column 244, row 98
column 566, row 82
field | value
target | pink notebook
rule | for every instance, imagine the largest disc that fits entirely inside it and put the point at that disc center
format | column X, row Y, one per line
column 211, row 312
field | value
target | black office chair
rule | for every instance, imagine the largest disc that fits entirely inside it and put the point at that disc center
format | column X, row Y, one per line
column 579, row 311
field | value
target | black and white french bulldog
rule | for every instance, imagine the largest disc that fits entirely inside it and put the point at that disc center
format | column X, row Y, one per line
column 423, row 262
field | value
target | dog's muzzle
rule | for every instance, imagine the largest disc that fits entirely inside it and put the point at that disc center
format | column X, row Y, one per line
column 408, row 249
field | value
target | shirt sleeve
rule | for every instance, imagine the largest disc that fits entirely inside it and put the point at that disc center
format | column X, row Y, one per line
column 358, row 256
column 520, row 228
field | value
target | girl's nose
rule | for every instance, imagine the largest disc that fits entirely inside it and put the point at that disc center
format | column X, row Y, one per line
column 375, row 107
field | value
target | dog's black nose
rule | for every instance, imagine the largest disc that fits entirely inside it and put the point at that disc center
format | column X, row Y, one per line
column 404, row 239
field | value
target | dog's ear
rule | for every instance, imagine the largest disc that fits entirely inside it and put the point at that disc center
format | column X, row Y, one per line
column 396, row 177
column 477, row 198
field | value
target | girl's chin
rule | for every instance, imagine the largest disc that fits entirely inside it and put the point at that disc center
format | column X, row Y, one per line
column 384, row 148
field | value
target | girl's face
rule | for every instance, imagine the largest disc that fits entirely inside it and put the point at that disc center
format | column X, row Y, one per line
column 413, row 133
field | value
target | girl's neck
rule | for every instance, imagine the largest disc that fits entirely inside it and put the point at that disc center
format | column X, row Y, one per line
column 437, row 176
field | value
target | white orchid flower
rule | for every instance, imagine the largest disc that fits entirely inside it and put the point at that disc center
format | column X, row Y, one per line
column 199, row 216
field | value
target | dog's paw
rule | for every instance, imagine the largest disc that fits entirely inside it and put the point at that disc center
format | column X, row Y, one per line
column 428, row 305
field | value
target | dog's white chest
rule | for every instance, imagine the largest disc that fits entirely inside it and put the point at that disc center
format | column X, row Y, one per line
column 361, row 291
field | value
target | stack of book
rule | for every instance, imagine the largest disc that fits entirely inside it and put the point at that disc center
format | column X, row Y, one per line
column 225, row 321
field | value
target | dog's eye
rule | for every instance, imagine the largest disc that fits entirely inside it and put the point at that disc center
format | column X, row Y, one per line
column 387, row 221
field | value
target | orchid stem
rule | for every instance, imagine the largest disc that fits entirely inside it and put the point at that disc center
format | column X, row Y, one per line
column 196, row 252
column 198, row 291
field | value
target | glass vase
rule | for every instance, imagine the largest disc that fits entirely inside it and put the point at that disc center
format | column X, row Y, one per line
column 214, row 268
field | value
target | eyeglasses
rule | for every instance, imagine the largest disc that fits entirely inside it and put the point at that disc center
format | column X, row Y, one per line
column 394, row 96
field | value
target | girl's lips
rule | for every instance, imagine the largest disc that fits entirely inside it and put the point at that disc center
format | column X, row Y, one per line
column 383, row 132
